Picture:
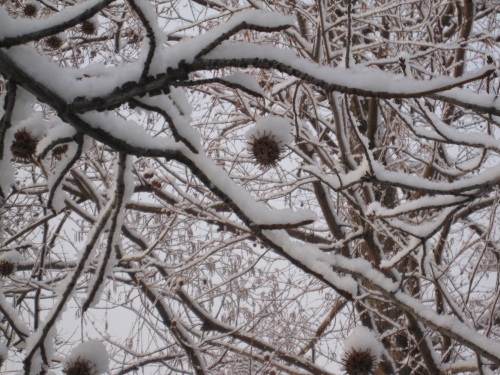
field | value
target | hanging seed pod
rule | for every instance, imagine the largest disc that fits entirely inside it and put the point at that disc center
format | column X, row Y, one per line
column 89, row 27
column 265, row 149
column 7, row 268
column 30, row 10
column 267, row 140
column 363, row 352
column 9, row 262
column 79, row 367
column 88, row 358
column 359, row 362
column 54, row 42
column 24, row 146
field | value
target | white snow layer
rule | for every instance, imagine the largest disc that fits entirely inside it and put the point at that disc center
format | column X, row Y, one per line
column 245, row 80
column 13, row 256
column 92, row 351
column 10, row 27
column 364, row 339
column 279, row 127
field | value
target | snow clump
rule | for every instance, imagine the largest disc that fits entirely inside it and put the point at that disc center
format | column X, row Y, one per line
column 362, row 352
column 88, row 358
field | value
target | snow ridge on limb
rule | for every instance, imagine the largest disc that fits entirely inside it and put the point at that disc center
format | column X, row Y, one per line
column 358, row 81
column 363, row 271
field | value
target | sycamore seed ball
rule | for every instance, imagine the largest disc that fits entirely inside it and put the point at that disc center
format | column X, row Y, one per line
column 30, row 10
column 88, row 358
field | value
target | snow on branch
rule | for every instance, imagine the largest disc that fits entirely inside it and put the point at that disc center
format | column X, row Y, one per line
column 20, row 31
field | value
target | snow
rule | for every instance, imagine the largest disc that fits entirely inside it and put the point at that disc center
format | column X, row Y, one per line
column 159, row 36
column 13, row 256
column 314, row 259
column 13, row 315
column 341, row 180
column 376, row 209
column 10, row 27
column 59, row 131
column 180, row 122
column 179, row 97
column 360, row 78
column 424, row 229
column 95, row 21
column 489, row 176
column 452, row 135
column 49, row 349
column 451, row 325
column 364, row 339
column 64, row 81
column 279, row 127
column 257, row 212
column 246, row 81
column 93, row 351
column 23, row 107
column 68, row 83
column 129, row 132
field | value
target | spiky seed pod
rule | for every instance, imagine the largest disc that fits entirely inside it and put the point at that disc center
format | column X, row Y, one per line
column 79, row 367
column 30, row 10
column 7, row 267
column 359, row 362
column 88, row 28
column 24, row 145
column 59, row 151
column 54, row 42
column 265, row 149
